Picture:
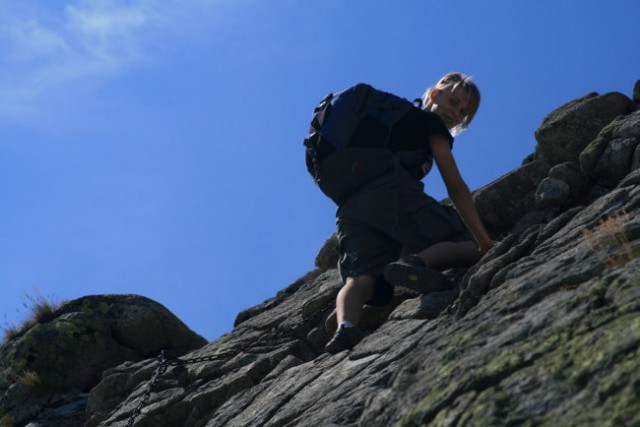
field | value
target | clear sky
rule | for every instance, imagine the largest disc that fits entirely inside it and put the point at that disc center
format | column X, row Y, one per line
column 154, row 147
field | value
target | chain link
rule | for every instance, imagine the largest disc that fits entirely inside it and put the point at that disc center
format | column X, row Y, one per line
column 165, row 360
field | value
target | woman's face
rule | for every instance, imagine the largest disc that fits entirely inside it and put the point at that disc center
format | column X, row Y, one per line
column 451, row 106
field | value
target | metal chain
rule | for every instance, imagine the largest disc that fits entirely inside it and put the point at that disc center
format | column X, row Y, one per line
column 163, row 364
column 165, row 360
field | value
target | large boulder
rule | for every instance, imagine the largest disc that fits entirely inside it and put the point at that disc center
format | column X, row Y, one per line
column 552, row 192
column 566, row 131
column 67, row 354
column 612, row 154
column 502, row 203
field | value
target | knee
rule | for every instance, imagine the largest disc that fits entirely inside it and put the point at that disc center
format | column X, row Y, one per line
column 364, row 286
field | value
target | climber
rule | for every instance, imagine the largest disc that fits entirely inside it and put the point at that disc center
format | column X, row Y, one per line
column 386, row 209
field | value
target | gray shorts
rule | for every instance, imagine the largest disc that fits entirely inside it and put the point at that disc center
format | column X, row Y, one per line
column 390, row 214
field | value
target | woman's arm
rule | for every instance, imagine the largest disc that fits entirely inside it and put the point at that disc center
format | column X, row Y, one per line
column 459, row 191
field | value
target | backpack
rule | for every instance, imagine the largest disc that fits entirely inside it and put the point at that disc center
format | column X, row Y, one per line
column 348, row 139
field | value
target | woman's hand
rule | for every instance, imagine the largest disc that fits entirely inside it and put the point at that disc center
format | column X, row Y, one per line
column 486, row 246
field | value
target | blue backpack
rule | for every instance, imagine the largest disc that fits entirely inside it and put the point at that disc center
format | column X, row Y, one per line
column 349, row 136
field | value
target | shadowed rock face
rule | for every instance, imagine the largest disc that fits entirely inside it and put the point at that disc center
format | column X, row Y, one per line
column 544, row 330
column 565, row 132
column 48, row 371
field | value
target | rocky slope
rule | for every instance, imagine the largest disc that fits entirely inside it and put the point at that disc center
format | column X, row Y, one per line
column 543, row 331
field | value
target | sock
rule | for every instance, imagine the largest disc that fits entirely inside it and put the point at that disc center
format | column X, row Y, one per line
column 346, row 324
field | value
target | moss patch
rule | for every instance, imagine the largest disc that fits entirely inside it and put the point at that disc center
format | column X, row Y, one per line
column 577, row 374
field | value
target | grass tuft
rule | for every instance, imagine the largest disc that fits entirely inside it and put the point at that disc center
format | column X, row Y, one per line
column 40, row 309
column 30, row 379
column 7, row 421
column 610, row 241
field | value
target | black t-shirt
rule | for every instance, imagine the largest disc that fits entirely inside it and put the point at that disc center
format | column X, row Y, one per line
column 410, row 140
column 412, row 132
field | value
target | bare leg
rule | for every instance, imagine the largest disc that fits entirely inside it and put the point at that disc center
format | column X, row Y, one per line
column 444, row 255
column 353, row 295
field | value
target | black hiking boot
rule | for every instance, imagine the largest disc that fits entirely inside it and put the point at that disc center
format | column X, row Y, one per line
column 412, row 272
column 345, row 338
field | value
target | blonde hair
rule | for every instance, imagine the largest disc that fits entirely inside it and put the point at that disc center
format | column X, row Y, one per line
column 452, row 81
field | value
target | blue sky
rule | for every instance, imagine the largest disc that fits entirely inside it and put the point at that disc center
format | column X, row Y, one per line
column 154, row 146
